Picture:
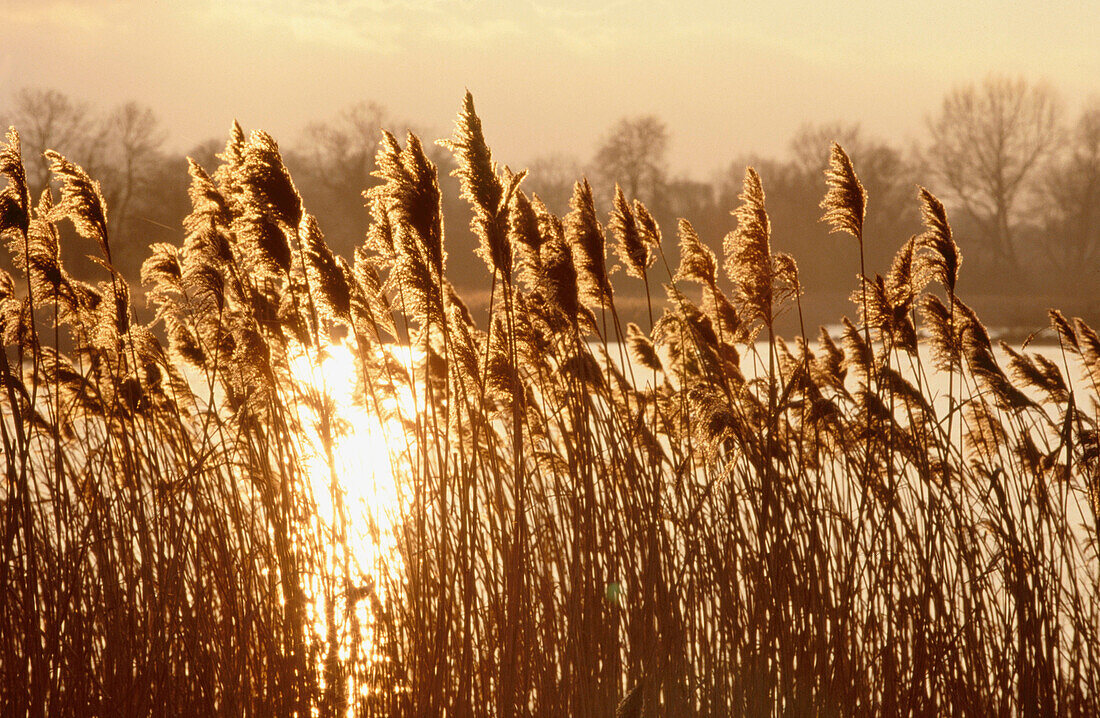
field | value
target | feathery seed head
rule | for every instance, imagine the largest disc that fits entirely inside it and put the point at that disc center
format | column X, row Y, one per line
column 631, row 247
column 523, row 233
column 264, row 242
column 1066, row 335
column 409, row 193
column 267, row 185
column 944, row 258
column 81, row 202
column 845, row 202
column 482, row 188
column 585, row 237
column 558, row 278
column 207, row 202
column 748, row 252
column 327, row 275
column 641, row 348
column 647, row 227
column 15, row 198
column 697, row 261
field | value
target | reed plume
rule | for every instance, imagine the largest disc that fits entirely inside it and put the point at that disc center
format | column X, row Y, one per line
column 845, row 202
column 82, row 202
column 748, row 257
column 943, row 258
column 15, row 201
column 482, row 188
column 584, row 235
column 632, row 242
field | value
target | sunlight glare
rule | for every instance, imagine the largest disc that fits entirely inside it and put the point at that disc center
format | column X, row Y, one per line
column 366, row 455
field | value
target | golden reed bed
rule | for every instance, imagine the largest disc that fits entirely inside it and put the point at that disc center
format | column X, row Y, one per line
column 578, row 533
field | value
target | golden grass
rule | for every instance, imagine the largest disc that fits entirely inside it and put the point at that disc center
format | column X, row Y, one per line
column 719, row 527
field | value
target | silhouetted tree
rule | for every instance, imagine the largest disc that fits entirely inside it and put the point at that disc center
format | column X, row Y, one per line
column 1071, row 200
column 689, row 199
column 551, row 177
column 336, row 159
column 133, row 140
column 51, row 120
column 886, row 174
column 633, row 155
column 988, row 143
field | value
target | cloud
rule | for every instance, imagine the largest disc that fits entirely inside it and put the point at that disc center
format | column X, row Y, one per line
column 73, row 16
column 548, row 74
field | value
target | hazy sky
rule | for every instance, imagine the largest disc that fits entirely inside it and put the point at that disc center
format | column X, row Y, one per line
column 548, row 76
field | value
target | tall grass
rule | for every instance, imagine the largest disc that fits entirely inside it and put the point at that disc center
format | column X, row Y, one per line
column 721, row 523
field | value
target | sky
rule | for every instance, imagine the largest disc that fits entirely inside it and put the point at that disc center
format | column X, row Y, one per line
column 549, row 77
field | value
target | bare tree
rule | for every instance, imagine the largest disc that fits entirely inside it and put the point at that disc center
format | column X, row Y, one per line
column 338, row 158
column 134, row 138
column 1071, row 198
column 51, row 120
column 633, row 155
column 341, row 151
column 810, row 146
column 551, row 177
column 988, row 142
column 885, row 172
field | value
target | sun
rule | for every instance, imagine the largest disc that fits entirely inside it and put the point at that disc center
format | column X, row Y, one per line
column 366, row 455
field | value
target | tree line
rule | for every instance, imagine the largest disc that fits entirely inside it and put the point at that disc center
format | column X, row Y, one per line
column 1019, row 173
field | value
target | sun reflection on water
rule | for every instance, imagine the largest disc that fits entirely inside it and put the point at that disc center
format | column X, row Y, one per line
column 367, row 452
column 356, row 482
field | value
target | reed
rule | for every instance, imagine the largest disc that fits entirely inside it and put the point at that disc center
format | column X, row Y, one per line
column 692, row 516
